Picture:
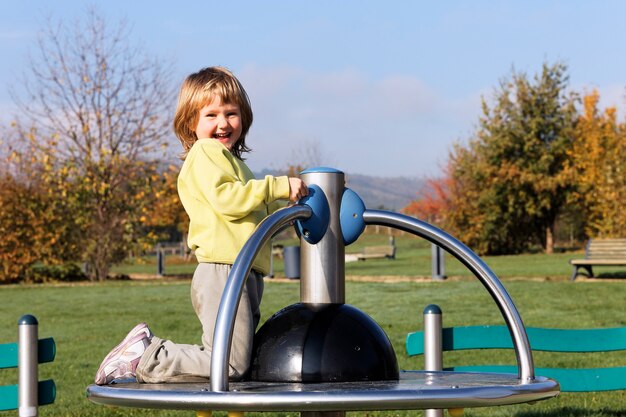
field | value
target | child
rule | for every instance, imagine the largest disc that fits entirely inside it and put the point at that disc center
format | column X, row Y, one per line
column 225, row 204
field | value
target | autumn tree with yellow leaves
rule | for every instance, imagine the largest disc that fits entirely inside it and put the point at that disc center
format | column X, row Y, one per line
column 167, row 212
column 599, row 162
column 48, row 205
column 36, row 212
column 107, row 106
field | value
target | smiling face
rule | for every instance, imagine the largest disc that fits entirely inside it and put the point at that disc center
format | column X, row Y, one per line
column 219, row 121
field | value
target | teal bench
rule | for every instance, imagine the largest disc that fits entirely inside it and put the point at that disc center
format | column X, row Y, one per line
column 9, row 353
column 541, row 339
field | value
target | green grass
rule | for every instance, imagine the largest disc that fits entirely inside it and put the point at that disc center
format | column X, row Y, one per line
column 413, row 258
column 86, row 320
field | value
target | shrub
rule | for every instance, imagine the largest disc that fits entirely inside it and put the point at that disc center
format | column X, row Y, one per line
column 69, row 272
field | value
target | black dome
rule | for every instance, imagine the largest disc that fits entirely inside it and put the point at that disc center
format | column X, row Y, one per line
column 322, row 343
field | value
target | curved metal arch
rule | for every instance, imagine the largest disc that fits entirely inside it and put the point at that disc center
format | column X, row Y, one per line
column 225, row 322
column 525, row 366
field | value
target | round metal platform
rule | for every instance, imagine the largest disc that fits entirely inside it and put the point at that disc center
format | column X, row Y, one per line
column 414, row 390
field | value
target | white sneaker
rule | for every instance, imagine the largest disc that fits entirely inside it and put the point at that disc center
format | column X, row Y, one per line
column 122, row 361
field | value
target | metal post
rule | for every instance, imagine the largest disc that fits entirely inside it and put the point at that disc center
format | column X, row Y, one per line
column 160, row 261
column 27, row 366
column 438, row 263
column 433, row 355
column 322, row 275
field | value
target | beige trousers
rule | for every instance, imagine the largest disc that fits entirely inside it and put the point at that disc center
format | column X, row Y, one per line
column 166, row 361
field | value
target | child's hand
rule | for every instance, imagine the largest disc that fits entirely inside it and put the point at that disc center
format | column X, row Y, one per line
column 297, row 189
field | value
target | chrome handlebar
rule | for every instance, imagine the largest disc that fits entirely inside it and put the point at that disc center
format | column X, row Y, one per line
column 274, row 223
column 225, row 322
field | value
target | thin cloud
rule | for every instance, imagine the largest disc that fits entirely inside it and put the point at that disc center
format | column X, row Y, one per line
column 396, row 125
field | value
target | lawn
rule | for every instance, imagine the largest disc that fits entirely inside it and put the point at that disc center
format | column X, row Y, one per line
column 413, row 258
column 86, row 320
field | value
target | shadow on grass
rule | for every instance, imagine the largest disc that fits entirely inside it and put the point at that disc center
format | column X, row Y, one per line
column 606, row 275
column 574, row 412
column 620, row 274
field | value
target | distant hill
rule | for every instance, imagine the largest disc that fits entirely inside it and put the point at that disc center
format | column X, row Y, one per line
column 392, row 193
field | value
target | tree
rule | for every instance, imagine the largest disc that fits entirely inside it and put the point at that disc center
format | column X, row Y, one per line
column 36, row 220
column 19, row 227
column 599, row 160
column 432, row 203
column 467, row 209
column 512, row 179
column 107, row 103
column 167, row 214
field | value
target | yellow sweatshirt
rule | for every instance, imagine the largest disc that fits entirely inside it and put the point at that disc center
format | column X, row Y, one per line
column 225, row 203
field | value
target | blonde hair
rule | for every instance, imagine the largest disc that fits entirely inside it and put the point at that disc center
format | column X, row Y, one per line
column 200, row 89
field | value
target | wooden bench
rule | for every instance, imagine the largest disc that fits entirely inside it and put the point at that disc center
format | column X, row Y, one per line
column 277, row 251
column 600, row 252
column 373, row 252
column 542, row 339
column 171, row 248
column 9, row 358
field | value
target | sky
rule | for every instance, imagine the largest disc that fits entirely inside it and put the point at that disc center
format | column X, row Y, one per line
column 382, row 88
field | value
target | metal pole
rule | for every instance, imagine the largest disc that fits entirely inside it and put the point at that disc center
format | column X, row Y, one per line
column 433, row 355
column 160, row 261
column 322, row 274
column 225, row 322
column 438, row 263
column 27, row 366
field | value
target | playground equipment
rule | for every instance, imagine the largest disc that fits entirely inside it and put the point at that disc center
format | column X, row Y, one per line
column 322, row 357
column 26, row 355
